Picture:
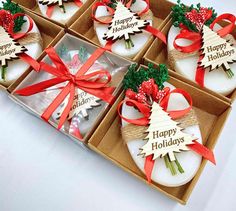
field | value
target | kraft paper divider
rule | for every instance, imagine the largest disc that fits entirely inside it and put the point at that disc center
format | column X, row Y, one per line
column 157, row 54
column 49, row 33
column 116, row 82
column 160, row 11
column 33, row 7
column 107, row 139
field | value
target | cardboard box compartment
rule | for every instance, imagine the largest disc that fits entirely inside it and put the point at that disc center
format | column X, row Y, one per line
column 32, row 5
column 160, row 11
column 157, row 54
column 36, row 104
column 108, row 142
column 50, row 32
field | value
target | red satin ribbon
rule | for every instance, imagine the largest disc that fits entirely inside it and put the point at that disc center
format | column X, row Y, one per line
column 32, row 62
column 145, row 110
column 16, row 36
column 109, row 9
column 51, row 8
column 155, row 32
column 196, row 39
column 91, row 83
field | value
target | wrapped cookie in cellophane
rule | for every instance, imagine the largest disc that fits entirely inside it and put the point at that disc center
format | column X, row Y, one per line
column 76, row 84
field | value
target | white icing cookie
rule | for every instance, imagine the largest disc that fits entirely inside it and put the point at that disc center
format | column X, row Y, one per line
column 189, row 160
column 17, row 67
column 215, row 80
column 58, row 15
column 118, row 46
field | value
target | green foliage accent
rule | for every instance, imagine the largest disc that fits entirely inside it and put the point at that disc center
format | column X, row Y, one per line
column 113, row 3
column 179, row 11
column 63, row 52
column 133, row 79
column 14, row 8
column 83, row 54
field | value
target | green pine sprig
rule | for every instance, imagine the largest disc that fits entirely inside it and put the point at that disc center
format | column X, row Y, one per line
column 133, row 79
column 179, row 11
column 14, row 8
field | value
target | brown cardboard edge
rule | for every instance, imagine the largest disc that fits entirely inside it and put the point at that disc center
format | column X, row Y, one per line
column 33, row 7
column 156, row 43
column 100, row 131
column 212, row 140
column 219, row 125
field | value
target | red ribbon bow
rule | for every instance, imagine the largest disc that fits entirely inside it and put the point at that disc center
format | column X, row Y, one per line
column 91, row 83
column 196, row 41
column 148, row 28
column 7, row 22
column 50, row 8
column 145, row 109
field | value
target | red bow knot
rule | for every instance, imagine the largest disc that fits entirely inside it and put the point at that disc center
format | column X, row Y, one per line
column 95, row 83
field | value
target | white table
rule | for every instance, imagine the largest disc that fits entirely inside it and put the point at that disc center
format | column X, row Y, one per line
column 42, row 170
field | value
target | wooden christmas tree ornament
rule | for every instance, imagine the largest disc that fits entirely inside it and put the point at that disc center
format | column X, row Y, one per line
column 164, row 137
column 82, row 102
column 9, row 48
column 217, row 51
column 124, row 23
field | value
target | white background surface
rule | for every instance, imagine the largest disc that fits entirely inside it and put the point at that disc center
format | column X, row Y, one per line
column 42, row 170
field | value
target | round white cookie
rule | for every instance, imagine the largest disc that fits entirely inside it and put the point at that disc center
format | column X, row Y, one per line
column 215, row 80
column 58, row 15
column 17, row 67
column 189, row 160
column 118, row 46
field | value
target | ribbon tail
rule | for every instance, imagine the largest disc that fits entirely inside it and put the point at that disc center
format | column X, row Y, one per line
column 67, row 109
column 199, row 77
column 148, row 167
column 50, row 10
column 203, row 151
column 56, row 102
column 32, row 62
column 200, row 73
column 156, row 33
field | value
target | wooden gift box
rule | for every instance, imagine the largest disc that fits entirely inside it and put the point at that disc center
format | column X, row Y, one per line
column 32, row 5
column 33, row 77
column 108, row 142
column 160, row 11
column 157, row 54
column 50, row 33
